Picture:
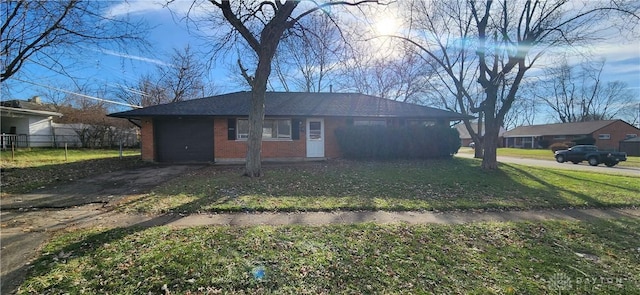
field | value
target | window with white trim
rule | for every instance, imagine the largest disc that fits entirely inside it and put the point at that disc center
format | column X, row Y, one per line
column 630, row 135
column 604, row 136
column 271, row 129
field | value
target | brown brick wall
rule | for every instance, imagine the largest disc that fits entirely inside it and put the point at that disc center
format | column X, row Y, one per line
column 237, row 149
column 147, row 140
column 331, row 148
column 618, row 131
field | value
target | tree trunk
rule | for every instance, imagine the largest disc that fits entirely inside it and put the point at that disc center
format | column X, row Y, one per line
column 253, row 165
column 478, row 151
column 490, row 144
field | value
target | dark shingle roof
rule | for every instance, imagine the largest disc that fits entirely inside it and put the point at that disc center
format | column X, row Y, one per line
column 294, row 104
column 574, row 128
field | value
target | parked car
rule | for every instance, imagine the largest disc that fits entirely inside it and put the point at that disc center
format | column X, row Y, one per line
column 591, row 154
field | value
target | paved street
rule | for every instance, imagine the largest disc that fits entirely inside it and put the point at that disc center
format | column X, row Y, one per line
column 631, row 171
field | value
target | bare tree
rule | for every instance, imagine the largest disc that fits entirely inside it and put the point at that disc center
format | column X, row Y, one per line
column 451, row 58
column 88, row 119
column 508, row 37
column 180, row 79
column 396, row 73
column 577, row 93
column 261, row 26
column 44, row 32
column 310, row 54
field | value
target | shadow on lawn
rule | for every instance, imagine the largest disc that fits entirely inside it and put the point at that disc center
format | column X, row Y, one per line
column 561, row 244
column 456, row 176
column 18, row 180
column 606, row 184
column 553, row 193
column 361, row 185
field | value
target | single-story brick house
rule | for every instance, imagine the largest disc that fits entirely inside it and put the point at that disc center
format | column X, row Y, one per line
column 465, row 137
column 607, row 133
column 298, row 126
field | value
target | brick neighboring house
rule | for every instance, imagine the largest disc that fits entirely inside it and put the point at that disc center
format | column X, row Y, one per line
column 298, row 126
column 608, row 134
column 465, row 137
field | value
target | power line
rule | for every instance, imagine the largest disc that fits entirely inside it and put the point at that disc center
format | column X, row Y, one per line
column 80, row 94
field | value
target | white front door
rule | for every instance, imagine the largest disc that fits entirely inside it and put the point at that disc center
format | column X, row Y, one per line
column 315, row 138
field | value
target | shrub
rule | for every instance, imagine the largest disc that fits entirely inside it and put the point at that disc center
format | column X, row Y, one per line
column 558, row 146
column 375, row 142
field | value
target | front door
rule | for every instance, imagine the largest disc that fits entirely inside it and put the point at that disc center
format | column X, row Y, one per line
column 315, row 138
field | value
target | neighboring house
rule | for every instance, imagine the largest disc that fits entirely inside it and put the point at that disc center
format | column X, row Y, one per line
column 22, row 127
column 631, row 146
column 31, row 123
column 608, row 134
column 465, row 137
column 297, row 126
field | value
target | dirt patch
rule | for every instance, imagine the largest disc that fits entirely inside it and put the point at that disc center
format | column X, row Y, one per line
column 16, row 180
column 101, row 189
column 27, row 220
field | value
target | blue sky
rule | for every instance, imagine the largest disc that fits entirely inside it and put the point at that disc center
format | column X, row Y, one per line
column 108, row 68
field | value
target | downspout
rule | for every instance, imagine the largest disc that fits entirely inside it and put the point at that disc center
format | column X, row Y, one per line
column 139, row 126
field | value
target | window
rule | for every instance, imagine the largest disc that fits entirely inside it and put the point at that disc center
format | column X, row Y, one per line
column 421, row 123
column 631, row 135
column 559, row 137
column 372, row 122
column 604, row 136
column 271, row 129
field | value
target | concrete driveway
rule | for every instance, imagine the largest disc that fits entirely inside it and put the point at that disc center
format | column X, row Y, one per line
column 28, row 220
column 621, row 170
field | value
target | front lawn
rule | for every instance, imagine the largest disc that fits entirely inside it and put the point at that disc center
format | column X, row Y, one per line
column 29, row 169
column 555, row 257
column 399, row 185
column 37, row 157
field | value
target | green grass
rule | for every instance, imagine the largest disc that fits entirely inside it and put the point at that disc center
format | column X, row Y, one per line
column 30, row 169
column 554, row 257
column 36, row 157
column 542, row 154
column 420, row 185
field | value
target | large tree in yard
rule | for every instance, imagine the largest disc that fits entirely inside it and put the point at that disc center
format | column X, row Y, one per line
column 262, row 25
column 509, row 38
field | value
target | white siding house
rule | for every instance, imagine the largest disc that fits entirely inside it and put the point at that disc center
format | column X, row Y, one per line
column 26, row 128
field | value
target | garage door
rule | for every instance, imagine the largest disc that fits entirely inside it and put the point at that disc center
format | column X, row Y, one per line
column 184, row 140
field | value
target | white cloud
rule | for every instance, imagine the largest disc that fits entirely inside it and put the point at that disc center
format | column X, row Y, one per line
column 180, row 8
column 135, row 7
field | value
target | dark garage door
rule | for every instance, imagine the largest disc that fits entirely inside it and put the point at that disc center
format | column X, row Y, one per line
column 184, row 140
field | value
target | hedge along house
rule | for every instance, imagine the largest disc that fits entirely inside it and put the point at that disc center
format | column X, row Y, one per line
column 607, row 134
column 297, row 126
